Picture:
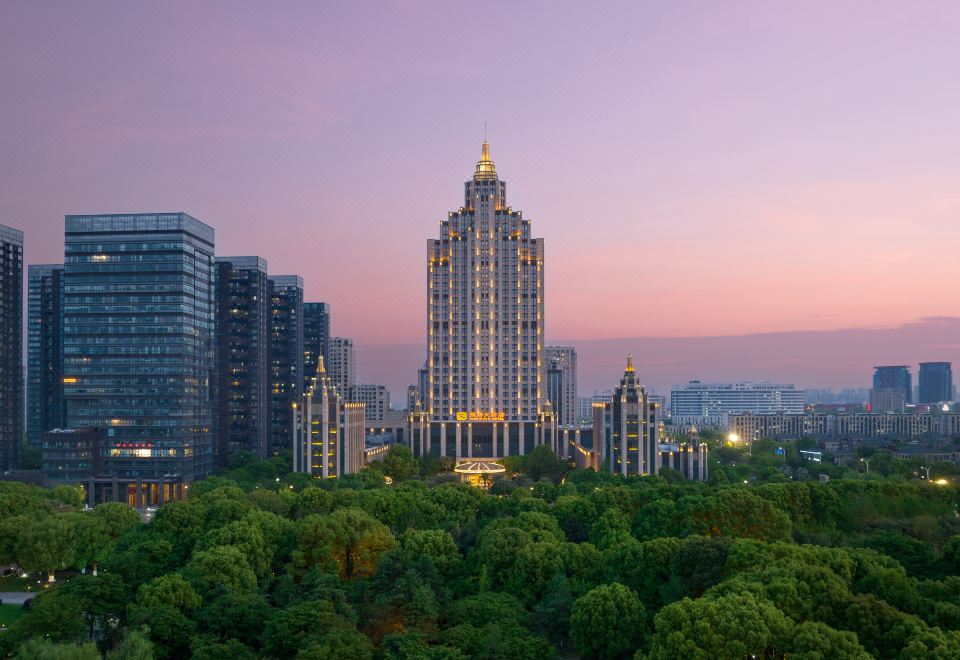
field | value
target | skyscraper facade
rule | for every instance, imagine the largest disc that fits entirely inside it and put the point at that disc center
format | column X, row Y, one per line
column 561, row 377
column 244, row 321
column 46, row 407
column 892, row 388
column 341, row 364
column 286, row 355
column 138, row 349
column 328, row 432
column 316, row 337
column 11, row 347
column 936, row 382
column 485, row 309
column 626, row 428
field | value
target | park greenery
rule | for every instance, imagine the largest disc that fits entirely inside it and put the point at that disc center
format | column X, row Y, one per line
column 550, row 562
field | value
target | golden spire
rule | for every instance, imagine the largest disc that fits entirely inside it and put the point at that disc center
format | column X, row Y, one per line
column 485, row 167
column 629, row 363
column 321, row 369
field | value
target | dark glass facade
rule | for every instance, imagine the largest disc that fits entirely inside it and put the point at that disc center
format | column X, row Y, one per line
column 46, row 407
column 316, row 338
column 138, row 345
column 894, row 378
column 936, row 382
column 286, row 357
column 243, row 299
column 11, row 347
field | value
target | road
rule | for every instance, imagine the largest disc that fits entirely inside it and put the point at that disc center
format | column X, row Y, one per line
column 15, row 597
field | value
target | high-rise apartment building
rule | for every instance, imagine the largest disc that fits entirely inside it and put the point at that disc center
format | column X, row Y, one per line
column 11, row 347
column 328, row 432
column 286, row 355
column 625, row 428
column 485, row 310
column 716, row 401
column 316, row 338
column 341, row 364
column 892, row 388
column 936, row 382
column 243, row 341
column 46, row 407
column 561, row 377
column 139, row 349
column 376, row 398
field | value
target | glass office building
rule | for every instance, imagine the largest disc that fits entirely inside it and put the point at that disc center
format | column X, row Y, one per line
column 138, row 349
column 46, row 408
column 11, row 347
column 316, row 338
column 243, row 298
column 936, row 382
column 286, row 356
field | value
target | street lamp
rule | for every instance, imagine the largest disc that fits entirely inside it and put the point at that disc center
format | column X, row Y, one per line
column 927, row 470
column 867, row 461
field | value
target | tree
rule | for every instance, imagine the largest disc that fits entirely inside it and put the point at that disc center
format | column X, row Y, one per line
column 607, row 622
column 551, row 616
column 731, row 626
column 102, row 600
column 49, row 544
column 298, row 626
column 239, row 616
column 815, row 641
column 336, row 644
column 221, row 566
column 435, row 545
column 348, row 541
column 135, row 646
column 204, row 648
column 399, row 463
column 44, row 649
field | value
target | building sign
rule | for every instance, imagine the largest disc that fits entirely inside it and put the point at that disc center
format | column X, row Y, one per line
column 478, row 416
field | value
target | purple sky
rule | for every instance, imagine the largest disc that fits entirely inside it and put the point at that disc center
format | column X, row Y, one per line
column 698, row 169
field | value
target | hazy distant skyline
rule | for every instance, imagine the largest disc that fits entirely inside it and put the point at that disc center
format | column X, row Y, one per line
column 695, row 169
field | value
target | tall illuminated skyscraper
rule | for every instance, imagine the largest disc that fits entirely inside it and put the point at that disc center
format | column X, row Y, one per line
column 485, row 308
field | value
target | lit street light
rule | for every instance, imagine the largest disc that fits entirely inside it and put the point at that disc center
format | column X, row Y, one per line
column 867, row 461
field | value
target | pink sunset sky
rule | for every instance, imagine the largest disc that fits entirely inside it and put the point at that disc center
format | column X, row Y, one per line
column 782, row 174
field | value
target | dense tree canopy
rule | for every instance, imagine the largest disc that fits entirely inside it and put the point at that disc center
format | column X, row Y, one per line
column 550, row 562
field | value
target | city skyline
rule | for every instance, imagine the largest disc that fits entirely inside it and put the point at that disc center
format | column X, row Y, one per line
column 713, row 172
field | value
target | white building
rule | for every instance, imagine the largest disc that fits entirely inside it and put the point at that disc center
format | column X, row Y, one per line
column 342, row 365
column 485, row 308
column 712, row 403
column 375, row 397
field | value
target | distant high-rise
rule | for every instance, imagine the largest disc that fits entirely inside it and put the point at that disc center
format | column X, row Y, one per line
column 341, row 363
column 892, row 388
column 244, row 322
column 561, row 377
column 376, row 398
column 286, row 355
column 485, row 309
column 936, row 382
column 11, row 347
column 46, row 407
column 316, row 338
column 625, row 428
column 139, row 349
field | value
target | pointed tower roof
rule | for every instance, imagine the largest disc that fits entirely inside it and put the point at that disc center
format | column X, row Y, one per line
column 629, row 368
column 321, row 368
column 485, row 167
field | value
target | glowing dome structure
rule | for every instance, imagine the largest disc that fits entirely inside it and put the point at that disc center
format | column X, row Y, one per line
column 479, row 472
